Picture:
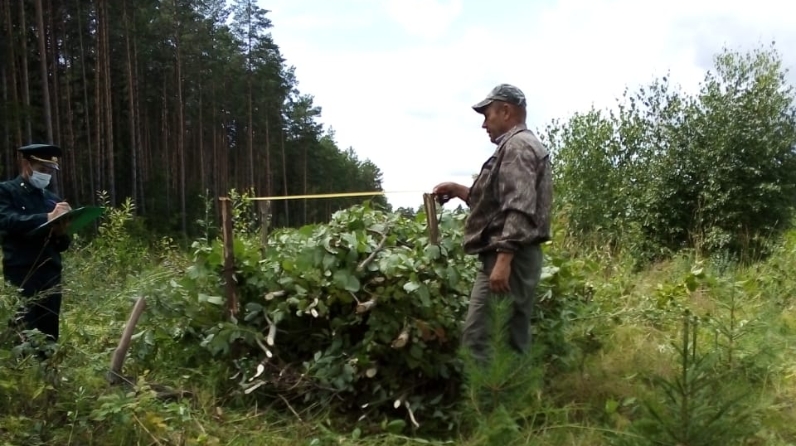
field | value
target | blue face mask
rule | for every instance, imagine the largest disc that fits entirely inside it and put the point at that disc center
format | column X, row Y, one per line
column 39, row 180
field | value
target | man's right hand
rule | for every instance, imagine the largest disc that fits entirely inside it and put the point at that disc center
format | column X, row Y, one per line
column 446, row 191
column 60, row 208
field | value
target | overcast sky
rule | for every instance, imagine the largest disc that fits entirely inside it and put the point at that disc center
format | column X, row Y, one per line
column 396, row 78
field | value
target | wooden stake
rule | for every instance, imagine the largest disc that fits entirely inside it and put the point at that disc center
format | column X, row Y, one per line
column 229, row 257
column 431, row 218
column 265, row 220
column 115, row 375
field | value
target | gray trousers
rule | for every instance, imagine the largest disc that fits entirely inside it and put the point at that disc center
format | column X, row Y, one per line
column 526, row 270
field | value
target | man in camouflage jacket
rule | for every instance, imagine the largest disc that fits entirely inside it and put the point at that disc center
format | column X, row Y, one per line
column 510, row 203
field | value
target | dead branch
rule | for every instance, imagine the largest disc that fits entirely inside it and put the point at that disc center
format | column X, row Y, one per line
column 364, row 307
column 154, row 438
column 273, row 294
column 271, row 331
column 114, row 375
column 265, row 349
column 411, row 414
column 291, row 409
column 375, row 252
column 402, row 339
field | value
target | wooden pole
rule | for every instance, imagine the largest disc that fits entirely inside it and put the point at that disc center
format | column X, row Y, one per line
column 229, row 258
column 431, row 218
column 265, row 220
column 115, row 375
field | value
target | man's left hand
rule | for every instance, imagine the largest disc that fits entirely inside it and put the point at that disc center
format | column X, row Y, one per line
column 499, row 278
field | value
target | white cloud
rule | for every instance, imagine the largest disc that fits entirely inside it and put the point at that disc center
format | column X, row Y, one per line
column 424, row 18
column 408, row 109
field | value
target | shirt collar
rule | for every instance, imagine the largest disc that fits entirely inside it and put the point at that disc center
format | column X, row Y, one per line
column 511, row 132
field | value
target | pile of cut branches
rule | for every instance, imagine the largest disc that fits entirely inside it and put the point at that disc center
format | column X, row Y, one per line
column 362, row 311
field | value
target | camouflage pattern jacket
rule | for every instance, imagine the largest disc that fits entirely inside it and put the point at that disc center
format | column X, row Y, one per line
column 510, row 201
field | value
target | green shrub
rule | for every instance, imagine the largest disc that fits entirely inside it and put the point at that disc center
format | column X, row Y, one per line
column 362, row 312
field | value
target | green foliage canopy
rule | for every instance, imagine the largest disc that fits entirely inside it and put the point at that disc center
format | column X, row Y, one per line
column 667, row 170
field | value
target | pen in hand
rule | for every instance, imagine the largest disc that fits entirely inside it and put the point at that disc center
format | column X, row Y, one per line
column 63, row 207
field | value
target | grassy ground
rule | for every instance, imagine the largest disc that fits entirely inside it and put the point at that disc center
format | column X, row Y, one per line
column 747, row 316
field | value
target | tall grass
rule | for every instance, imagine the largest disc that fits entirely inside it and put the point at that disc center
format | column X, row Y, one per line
column 629, row 385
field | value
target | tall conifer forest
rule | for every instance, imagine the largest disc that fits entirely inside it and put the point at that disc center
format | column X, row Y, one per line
column 164, row 102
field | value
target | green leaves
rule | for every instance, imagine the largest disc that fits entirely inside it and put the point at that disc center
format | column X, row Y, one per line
column 361, row 310
column 215, row 300
column 359, row 294
column 346, row 280
column 420, row 291
column 715, row 170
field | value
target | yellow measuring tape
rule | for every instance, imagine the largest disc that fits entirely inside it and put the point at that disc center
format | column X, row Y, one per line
column 334, row 195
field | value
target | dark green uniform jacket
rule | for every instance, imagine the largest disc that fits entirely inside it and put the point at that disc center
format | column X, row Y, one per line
column 36, row 260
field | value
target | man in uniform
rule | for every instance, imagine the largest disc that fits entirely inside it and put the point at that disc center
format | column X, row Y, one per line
column 510, row 203
column 32, row 262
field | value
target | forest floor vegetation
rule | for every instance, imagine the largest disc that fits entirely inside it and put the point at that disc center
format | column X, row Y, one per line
column 690, row 350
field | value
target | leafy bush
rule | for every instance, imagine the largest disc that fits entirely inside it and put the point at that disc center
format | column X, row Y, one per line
column 362, row 312
column 715, row 171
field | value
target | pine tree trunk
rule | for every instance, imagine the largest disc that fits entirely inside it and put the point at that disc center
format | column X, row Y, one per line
column 165, row 146
column 269, row 190
column 304, row 174
column 216, row 167
column 45, row 84
column 251, row 135
column 25, row 75
column 98, row 75
column 180, row 123
column 13, row 76
column 249, row 74
column 55, row 67
column 202, row 173
column 87, row 111
column 284, row 174
column 75, row 179
column 131, row 111
column 8, row 169
column 143, row 144
column 108, row 106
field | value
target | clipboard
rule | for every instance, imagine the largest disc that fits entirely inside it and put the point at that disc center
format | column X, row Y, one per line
column 78, row 218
